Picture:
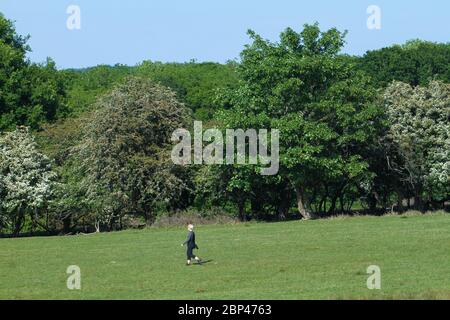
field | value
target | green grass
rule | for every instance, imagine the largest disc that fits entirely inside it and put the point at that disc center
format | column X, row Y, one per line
column 324, row 259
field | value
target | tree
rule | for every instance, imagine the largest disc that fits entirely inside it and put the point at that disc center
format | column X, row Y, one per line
column 419, row 131
column 125, row 152
column 26, row 178
column 30, row 94
column 416, row 62
column 194, row 83
column 322, row 105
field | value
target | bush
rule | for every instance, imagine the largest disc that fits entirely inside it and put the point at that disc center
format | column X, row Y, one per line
column 183, row 218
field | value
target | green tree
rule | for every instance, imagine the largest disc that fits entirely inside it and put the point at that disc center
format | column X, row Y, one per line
column 416, row 62
column 322, row 105
column 125, row 152
column 69, row 206
column 195, row 83
column 30, row 94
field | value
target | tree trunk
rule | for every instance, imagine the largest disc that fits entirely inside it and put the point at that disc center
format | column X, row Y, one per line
column 399, row 201
column 301, row 203
column 66, row 224
column 46, row 219
column 341, row 202
column 323, row 204
column 97, row 226
column 418, row 203
column 285, row 203
column 333, row 204
column 149, row 219
column 120, row 223
column 372, row 201
column 241, row 208
column 19, row 222
column 256, row 208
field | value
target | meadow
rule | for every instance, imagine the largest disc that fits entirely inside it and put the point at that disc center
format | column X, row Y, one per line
column 317, row 259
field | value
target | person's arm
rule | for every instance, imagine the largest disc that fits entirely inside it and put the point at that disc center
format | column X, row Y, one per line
column 195, row 244
column 188, row 238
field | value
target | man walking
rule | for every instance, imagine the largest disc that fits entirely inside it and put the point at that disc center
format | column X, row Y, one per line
column 191, row 245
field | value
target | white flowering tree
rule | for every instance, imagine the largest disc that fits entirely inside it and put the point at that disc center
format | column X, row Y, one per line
column 420, row 130
column 26, row 178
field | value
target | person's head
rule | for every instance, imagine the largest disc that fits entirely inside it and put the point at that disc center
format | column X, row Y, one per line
column 190, row 227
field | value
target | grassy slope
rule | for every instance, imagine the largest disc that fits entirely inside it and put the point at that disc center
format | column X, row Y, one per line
column 293, row 260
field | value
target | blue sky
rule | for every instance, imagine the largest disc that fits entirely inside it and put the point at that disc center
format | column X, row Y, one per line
column 130, row 31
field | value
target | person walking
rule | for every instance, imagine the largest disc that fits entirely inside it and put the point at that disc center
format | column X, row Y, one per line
column 191, row 245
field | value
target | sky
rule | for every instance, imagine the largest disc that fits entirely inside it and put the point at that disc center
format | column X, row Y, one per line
column 130, row 31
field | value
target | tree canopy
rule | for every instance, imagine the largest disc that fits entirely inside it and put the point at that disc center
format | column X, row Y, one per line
column 420, row 131
column 30, row 94
column 26, row 178
column 416, row 62
column 123, row 153
column 321, row 104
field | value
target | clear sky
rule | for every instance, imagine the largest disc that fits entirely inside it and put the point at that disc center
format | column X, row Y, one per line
column 130, row 31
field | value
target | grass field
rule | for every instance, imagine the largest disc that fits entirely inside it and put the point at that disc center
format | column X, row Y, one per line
column 324, row 259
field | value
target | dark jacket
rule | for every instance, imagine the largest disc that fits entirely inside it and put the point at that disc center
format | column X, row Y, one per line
column 190, row 241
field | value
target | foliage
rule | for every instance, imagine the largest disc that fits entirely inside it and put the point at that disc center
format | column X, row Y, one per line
column 420, row 131
column 322, row 106
column 349, row 134
column 124, row 154
column 416, row 62
column 194, row 83
column 26, row 178
column 30, row 94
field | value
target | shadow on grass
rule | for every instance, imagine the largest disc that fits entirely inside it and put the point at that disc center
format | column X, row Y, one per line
column 204, row 262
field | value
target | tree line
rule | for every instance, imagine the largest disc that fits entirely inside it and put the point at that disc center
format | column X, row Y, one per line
column 90, row 149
